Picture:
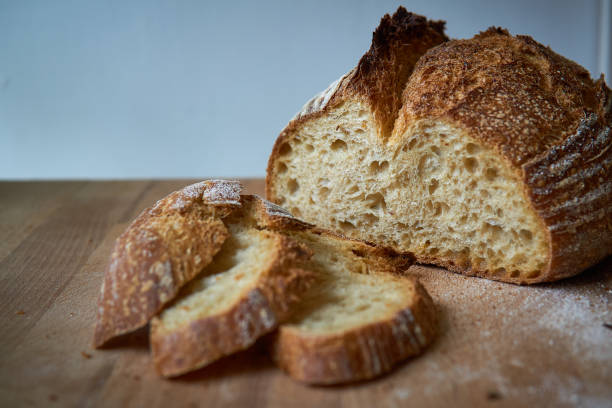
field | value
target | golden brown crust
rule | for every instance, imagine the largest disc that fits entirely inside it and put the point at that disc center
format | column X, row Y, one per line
column 260, row 311
column 510, row 93
column 162, row 249
column 397, row 43
column 381, row 74
column 539, row 111
column 546, row 118
column 359, row 353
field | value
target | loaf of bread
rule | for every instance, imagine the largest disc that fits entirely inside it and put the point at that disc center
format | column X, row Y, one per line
column 488, row 156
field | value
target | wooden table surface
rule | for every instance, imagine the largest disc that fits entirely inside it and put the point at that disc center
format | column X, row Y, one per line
column 499, row 344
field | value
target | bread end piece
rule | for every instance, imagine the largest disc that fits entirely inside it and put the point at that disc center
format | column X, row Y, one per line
column 162, row 249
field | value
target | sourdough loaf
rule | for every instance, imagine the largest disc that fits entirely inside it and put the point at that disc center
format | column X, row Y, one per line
column 489, row 156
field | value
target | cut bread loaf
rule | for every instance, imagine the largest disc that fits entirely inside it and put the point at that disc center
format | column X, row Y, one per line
column 489, row 156
column 358, row 320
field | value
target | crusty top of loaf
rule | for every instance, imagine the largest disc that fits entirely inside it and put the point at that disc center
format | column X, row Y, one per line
column 381, row 75
column 509, row 92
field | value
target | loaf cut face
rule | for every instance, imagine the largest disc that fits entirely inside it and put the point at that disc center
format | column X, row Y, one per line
column 498, row 162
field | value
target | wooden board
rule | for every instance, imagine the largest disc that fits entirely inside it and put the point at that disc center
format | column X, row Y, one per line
column 499, row 344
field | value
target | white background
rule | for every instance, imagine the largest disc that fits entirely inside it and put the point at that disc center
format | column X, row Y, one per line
column 152, row 89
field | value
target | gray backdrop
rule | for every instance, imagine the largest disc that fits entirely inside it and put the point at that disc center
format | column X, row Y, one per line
column 130, row 89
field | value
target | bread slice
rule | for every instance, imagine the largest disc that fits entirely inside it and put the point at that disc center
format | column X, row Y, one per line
column 243, row 294
column 493, row 160
column 359, row 319
column 165, row 247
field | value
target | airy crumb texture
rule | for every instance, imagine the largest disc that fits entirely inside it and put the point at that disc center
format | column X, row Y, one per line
column 462, row 204
column 498, row 165
column 360, row 318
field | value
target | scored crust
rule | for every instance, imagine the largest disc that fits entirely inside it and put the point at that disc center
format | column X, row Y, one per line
column 543, row 116
column 257, row 312
column 381, row 74
column 551, row 122
column 165, row 247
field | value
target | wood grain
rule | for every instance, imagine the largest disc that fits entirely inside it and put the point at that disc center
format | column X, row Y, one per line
column 499, row 344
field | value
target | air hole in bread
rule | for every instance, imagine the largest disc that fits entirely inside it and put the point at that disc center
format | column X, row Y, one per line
column 438, row 210
column 370, row 218
column 293, row 186
column 433, row 185
column 285, row 149
column 376, row 201
column 492, row 230
column 376, row 166
column 491, row 173
column 526, row 235
column 470, row 164
column 338, row 144
column 472, row 148
column 309, row 148
column 281, row 168
column 347, row 226
column 324, row 192
column 436, row 150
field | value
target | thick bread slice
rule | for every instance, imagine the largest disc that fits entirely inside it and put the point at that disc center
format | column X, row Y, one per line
column 498, row 163
column 243, row 294
column 163, row 248
column 359, row 319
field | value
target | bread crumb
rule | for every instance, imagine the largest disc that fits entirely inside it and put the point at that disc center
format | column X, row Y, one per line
column 20, row 312
column 85, row 355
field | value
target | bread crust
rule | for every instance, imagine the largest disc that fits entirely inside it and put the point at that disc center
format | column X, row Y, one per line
column 546, row 119
column 258, row 312
column 542, row 114
column 360, row 353
column 397, row 44
column 165, row 247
